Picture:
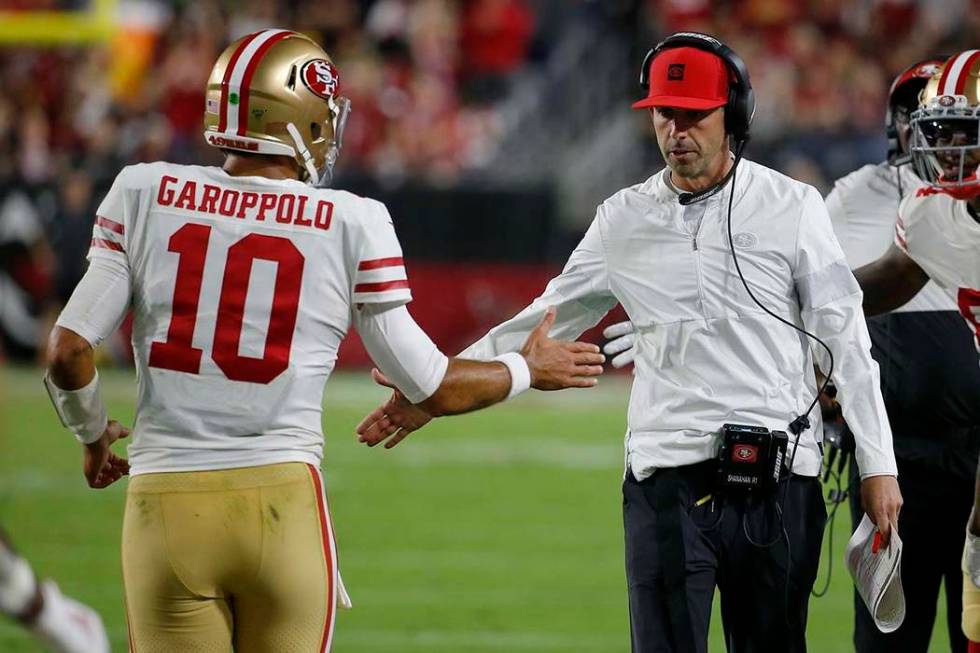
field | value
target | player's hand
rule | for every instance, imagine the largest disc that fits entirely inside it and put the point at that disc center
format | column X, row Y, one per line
column 882, row 501
column 102, row 468
column 556, row 364
column 622, row 340
column 394, row 419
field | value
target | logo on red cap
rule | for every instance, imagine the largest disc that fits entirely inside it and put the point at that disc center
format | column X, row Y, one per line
column 675, row 71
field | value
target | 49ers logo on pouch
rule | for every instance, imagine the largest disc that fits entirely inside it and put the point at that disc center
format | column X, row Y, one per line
column 321, row 77
column 745, row 453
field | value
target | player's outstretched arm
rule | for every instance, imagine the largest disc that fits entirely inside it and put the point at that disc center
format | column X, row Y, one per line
column 543, row 363
column 551, row 364
column 889, row 282
column 73, row 384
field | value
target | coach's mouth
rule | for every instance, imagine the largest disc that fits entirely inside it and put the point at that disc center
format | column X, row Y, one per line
column 682, row 154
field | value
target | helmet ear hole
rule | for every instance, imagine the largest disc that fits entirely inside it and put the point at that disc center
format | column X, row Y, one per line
column 315, row 130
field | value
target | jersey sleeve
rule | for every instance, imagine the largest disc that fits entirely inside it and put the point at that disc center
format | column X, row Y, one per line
column 908, row 213
column 109, row 231
column 379, row 270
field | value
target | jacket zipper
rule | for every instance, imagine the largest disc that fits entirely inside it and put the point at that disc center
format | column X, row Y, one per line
column 698, row 268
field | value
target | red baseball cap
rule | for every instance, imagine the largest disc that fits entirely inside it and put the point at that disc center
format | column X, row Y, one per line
column 686, row 78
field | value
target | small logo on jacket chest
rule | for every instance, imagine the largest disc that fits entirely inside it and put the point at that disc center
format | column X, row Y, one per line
column 745, row 240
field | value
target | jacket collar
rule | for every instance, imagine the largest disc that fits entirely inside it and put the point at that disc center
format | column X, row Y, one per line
column 659, row 187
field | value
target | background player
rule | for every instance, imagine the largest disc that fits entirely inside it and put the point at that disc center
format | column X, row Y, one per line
column 937, row 237
column 932, row 398
column 243, row 280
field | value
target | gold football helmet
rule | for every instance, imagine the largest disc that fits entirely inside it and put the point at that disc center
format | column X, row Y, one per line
column 946, row 128
column 277, row 92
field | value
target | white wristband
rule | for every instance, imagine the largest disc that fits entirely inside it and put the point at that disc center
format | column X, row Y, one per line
column 520, row 373
column 81, row 411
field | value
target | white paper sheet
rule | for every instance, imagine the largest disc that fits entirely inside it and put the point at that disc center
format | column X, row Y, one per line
column 878, row 576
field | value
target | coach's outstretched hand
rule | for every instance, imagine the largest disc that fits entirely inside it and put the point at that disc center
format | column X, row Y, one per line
column 557, row 364
column 102, row 467
column 553, row 365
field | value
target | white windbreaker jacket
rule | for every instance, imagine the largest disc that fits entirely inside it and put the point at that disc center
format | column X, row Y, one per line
column 706, row 354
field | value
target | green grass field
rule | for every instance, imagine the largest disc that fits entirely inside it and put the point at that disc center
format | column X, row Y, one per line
column 493, row 532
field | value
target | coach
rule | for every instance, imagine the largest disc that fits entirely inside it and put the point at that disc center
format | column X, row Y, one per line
column 711, row 349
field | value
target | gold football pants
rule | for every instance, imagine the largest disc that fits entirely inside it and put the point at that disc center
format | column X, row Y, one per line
column 971, row 609
column 239, row 559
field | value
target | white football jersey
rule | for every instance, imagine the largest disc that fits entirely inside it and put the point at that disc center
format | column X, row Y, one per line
column 863, row 207
column 242, row 290
column 938, row 232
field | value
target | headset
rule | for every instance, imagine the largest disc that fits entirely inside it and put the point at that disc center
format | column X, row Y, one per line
column 739, row 111
column 740, row 108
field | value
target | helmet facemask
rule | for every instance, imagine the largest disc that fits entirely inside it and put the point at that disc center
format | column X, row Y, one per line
column 321, row 176
column 946, row 146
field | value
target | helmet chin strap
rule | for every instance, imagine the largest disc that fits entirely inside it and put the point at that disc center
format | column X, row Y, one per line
column 314, row 176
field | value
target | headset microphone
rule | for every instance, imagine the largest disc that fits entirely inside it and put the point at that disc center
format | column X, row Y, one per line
column 691, row 198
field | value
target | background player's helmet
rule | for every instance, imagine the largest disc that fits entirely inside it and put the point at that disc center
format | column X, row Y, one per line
column 946, row 128
column 903, row 99
column 277, row 92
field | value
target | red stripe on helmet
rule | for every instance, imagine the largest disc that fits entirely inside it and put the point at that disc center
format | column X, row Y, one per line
column 226, row 80
column 942, row 79
column 247, row 79
column 965, row 73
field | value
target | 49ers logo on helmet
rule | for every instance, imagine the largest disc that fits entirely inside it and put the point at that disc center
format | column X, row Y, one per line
column 321, row 77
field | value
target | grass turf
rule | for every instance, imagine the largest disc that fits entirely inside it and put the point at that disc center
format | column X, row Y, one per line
column 494, row 532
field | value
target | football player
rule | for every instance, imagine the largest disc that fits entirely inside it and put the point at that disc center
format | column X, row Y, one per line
column 242, row 281
column 933, row 400
column 937, row 237
column 59, row 621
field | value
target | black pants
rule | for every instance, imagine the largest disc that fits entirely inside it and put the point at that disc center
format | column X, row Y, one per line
column 932, row 525
column 672, row 578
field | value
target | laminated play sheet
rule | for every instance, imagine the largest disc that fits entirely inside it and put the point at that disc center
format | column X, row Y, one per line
column 877, row 573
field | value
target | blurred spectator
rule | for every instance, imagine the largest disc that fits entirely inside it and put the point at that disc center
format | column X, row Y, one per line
column 71, row 230
column 26, row 267
column 495, row 38
column 441, row 90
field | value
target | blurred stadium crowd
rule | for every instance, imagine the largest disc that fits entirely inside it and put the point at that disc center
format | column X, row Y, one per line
column 446, row 94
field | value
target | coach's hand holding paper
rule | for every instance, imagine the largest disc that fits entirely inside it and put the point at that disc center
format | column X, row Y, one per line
column 877, row 573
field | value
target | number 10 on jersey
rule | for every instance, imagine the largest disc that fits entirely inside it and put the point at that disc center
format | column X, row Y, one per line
column 177, row 352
